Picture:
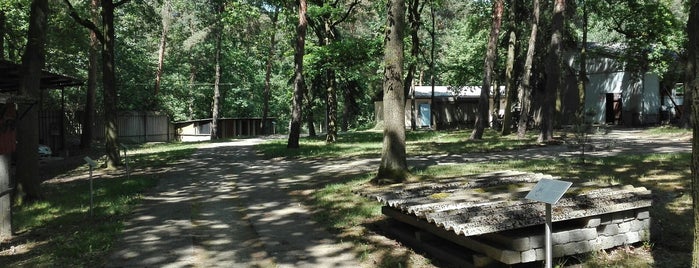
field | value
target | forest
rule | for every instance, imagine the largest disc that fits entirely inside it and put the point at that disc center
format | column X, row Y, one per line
column 321, row 66
column 185, row 57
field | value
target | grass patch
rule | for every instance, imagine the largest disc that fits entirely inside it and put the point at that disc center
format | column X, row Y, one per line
column 59, row 231
column 667, row 175
column 368, row 144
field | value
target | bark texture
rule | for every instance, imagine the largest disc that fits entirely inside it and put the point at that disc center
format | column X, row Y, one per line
column 692, row 84
column 553, row 70
column 92, row 81
column 297, row 99
column 393, row 167
column 482, row 118
column 525, row 90
column 30, row 73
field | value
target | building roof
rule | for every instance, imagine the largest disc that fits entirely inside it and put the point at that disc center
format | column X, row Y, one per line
column 10, row 78
column 466, row 92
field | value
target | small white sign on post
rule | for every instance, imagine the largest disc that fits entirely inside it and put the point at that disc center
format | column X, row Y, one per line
column 549, row 192
column 92, row 164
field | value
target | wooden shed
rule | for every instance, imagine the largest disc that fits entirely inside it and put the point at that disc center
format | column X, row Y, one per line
column 200, row 129
column 454, row 107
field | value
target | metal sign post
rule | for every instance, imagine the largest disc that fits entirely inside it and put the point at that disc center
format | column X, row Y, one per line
column 91, row 163
column 548, row 191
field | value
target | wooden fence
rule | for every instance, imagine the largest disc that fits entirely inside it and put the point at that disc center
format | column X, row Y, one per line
column 60, row 131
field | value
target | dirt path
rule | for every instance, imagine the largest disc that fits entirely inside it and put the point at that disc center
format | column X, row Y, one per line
column 225, row 207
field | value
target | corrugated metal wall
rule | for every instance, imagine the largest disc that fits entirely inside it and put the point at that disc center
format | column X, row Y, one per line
column 139, row 127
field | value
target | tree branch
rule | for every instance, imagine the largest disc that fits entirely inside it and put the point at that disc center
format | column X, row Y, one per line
column 346, row 15
column 84, row 22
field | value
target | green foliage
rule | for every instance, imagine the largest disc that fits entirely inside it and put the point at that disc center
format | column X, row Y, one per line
column 466, row 46
column 650, row 31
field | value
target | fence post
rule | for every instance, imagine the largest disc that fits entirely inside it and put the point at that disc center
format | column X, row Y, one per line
column 5, row 196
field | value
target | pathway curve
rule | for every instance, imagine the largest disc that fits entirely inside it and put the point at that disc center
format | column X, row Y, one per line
column 225, row 207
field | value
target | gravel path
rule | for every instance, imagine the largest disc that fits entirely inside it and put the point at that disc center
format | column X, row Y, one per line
column 225, row 207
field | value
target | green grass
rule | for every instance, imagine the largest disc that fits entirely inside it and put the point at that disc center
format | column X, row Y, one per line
column 58, row 231
column 667, row 175
column 368, row 144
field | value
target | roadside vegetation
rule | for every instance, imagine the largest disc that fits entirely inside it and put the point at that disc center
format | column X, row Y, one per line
column 59, row 232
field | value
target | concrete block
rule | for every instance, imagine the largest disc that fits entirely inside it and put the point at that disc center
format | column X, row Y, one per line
column 558, row 251
column 646, row 224
column 618, row 240
column 632, row 237
column 608, row 230
column 593, row 222
column 562, row 237
column 607, row 242
column 509, row 257
column 520, row 244
column 537, row 241
column 581, row 247
column 572, row 248
column 540, row 254
column 636, row 226
column 529, row 255
column 623, row 216
column 625, row 227
column 642, row 215
column 583, row 234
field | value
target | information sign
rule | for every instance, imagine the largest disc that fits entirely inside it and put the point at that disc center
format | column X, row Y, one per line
column 548, row 191
column 90, row 162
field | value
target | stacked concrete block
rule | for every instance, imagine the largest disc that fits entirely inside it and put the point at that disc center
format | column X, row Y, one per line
column 489, row 215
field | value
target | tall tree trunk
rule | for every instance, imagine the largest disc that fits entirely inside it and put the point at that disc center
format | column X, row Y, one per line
column 309, row 106
column 393, row 167
column 331, row 90
column 409, row 85
column 264, row 128
column 433, row 69
column 92, row 77
column 216, row 108
column 692, row 84
column 110, row 91
column 297, row 99
column 553, row 70
column 525, row 89
column 349, row 112
column 491, row 54
column 28, row 126
column 582, row 74
column 106, row 37
column 509, row 73
column 3, row 28
column 166, row 21
column 192, row 87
